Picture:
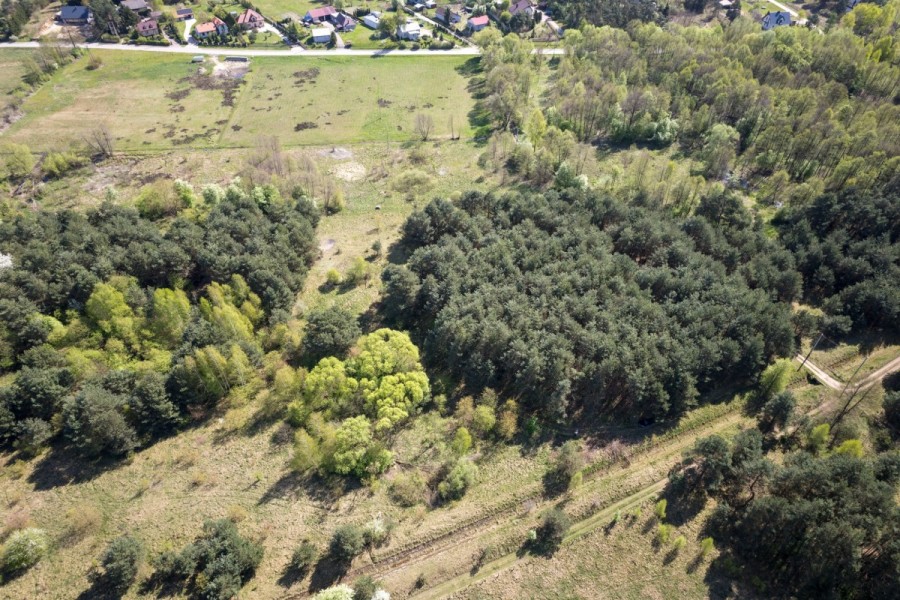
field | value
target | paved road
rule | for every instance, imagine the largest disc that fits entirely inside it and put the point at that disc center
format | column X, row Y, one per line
column 867, row 381
column 293, row 51
column 790, row 10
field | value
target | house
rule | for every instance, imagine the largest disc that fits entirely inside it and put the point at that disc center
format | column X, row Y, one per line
column 372, row 20
column 138, row 6
column 317, row 15
column 147, row 27
column 771, row 20
column 215, row 27
column 75, row 15
column 321, row 35
column 342, row 22
column 447, row 15
column 250, row 19
column 522, row 6
column 183, row 14
column 477, row 23
column 430, row 3
column 409, row 31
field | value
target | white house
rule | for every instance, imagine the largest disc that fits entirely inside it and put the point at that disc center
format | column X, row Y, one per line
column 372, row 20
column 321, row 35
column 771, row 20
column 409, row 31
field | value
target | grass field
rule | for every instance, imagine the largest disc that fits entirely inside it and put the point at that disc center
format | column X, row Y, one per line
column 11, row 71
column 161, row 102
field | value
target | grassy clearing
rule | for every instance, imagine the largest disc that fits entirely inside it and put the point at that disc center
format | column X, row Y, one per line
column 867, row 352
column 11, row 71
column 160, row 102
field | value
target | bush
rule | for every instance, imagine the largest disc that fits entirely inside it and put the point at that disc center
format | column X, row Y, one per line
column 358, row 272
column 483, row 420
column 660, row 509
column 462, row 442
column 23, row 550
column 329, row 332
column 458, row 480
column 57, row 164
column 664, row 533
column 32, row 435
column 553, row 528
column 333, row 277
column 304, row 556
column 337, row 592
column 120, row 562
column 220, row 558
column 407, row 490
column 679, row 543
column 706, row 546
column 376, row 532
column 364, row 588
column 347, row 542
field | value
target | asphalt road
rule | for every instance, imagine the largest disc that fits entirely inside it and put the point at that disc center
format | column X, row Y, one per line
column 293, row 51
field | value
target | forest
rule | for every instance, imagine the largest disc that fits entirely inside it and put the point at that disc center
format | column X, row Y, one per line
column 119, row 325
column 576, row 301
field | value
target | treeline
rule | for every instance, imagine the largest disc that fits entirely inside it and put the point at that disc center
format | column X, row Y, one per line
column 116, row 330
column 615, row 14
column 847, row 246
column 14, row 14
column 794, row 110
column 573, row 300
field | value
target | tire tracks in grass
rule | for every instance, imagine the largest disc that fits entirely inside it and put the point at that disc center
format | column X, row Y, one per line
column 638, row 460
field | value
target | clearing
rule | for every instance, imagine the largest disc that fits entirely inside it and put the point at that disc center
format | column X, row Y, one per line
column 162, row 101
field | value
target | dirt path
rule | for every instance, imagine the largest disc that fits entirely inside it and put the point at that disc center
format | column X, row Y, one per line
column 867, row 381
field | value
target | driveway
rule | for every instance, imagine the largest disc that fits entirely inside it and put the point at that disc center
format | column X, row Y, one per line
column 785, row 8
column 188, row 27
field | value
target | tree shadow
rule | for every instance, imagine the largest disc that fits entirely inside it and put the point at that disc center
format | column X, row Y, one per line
column 102, row 589
column 62, row 466
column 670, row 556
column 292, row 485
column 695, row 563
column 291, row 576
column 329, row 571
column 471, row 67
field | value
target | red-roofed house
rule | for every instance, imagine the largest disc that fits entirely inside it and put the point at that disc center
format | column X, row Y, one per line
column 477, row 23
column 317, row 15
column 250, row 19
column 147, row 27
column 216, row 26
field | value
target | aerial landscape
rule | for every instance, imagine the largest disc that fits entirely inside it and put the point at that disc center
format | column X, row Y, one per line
column 388, row 299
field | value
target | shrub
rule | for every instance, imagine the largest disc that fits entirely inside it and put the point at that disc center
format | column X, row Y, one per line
column 364, row 588
column 358, row 272
column 304, row 556
column 376, row 531
column 120, row 563
column 660, row 509
column 23, row 550
column 220, row 558
column 568, row 462
column 337, row 592
column 407, row 489
column 706, row 546
column 329, row 332
column 32, row 435
column 552, row 530
column 333, row 277
column 462, row 442
column 664, row 533
column 347, row 542
column 458, row 480
column 483, row 420
column 679, row 543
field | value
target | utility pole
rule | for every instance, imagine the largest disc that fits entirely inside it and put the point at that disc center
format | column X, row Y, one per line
column 806, row 358
column 852, row 376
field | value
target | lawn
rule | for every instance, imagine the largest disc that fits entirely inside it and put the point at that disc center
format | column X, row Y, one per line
column 160, row 102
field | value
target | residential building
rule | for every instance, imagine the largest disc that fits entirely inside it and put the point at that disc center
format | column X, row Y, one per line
column 477, row 23
column 321, row 35
column 771, row 20
column 318, row 15
column 250, row 19
column 183, row 14
column 410, row 31
column 75, row 15
column 372, row 20
column 215, row 27
column 138, row 6
column 147, row 27
column 447, row 16
column 522, row 6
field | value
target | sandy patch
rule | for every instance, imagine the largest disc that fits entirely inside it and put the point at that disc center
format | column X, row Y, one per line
column 351, row 171
column 337, row 153
column 228, row 69
column 327, row 245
